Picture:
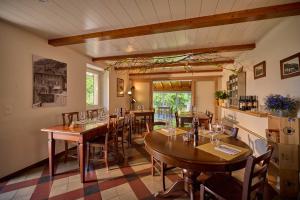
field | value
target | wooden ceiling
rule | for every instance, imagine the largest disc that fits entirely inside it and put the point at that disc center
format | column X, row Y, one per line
column 172, row 85
column 248, row 15
column 63, row 18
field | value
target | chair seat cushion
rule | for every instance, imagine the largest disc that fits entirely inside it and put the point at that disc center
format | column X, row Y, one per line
column 225, row 186
column 239, row 174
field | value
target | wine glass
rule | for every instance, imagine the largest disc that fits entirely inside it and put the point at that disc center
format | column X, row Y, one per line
column 82, row 116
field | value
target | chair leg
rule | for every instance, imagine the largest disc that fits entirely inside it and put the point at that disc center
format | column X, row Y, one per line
column 106, row 157
column 162, row 174
column 123, row 146
column 87, row 156
column 202, row 191
column 152, row 168
column 66, row 151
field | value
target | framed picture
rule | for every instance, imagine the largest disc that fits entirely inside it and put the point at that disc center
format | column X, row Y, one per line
column 49, row 82
column 120, row 87
column 289, row 67
column 259, row 70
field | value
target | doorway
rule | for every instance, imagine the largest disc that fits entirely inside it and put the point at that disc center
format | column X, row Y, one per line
column 170, row 96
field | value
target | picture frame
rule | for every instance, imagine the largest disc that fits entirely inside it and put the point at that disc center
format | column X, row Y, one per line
column 259, row 70
column 49, row 82
column 120, row 87
column 290, row 66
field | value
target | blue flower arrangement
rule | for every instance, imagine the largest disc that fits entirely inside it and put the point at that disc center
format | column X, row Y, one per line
column 278, row 102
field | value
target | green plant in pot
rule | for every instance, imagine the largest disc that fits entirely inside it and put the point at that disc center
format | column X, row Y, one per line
column 281, row 106
column 221, row 96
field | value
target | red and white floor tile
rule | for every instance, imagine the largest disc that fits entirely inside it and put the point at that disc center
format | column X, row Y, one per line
column 129, row 180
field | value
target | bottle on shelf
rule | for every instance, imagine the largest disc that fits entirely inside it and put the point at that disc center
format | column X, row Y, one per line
column 250, row 102
column 240, row 103
column 255, row 103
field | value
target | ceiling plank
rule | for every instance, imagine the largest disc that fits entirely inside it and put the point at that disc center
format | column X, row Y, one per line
column 230, row 61
column 176, row 72
column 184, row 24
column 229, row 48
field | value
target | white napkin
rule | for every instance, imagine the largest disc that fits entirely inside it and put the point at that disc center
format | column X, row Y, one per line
column 227, row 149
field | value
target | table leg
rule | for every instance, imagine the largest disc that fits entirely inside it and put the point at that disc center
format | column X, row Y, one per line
column 51, row 152
column 82, row 152
column 182, row 122
column 130, row 132
column 188, row 185
column 191, row 183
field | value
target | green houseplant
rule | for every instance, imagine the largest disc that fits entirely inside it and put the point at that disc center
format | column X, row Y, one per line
column 221, row 96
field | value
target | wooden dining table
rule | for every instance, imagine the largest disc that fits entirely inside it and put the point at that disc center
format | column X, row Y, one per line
column 139, row 113
column 173, row 150
column 188, row 118
column 79, row 133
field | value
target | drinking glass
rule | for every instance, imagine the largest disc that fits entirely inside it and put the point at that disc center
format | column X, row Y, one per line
column 214, row 139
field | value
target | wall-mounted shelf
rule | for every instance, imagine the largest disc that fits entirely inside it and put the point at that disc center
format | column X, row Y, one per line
column 256, row 114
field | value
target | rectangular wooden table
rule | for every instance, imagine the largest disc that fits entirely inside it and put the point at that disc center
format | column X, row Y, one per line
column 80, row 134
column 138, row 113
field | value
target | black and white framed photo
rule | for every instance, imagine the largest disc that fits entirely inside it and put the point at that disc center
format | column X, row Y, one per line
column 49, row 82
column 289, row 67
column 259, row 70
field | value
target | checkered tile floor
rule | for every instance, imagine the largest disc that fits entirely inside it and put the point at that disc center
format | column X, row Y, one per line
column 129, row 180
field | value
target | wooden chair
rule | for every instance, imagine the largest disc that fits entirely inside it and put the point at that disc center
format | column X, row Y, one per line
column 157, row 165
column 120, row 129
column 68, row 118
column 94, row 113
column 104, row 143
column 232, row 131
column 223, row 186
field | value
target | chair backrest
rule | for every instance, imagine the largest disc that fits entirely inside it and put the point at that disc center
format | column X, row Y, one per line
column 150, row 126
column 69, row 117
column 255, row 173
column 177, row 119
column 92, row 113
column 232, row 131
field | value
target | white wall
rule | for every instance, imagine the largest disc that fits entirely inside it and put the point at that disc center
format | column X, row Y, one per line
column 205, row 96
column 21, row 141
column 281, row 42
column 142, row 93
column 114, row 101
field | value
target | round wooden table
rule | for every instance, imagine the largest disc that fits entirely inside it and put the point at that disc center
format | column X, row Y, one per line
column 174, row 151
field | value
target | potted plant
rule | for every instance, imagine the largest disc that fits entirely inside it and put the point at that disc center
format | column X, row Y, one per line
column 221, row 96
column 281, row 106
column 217, row 96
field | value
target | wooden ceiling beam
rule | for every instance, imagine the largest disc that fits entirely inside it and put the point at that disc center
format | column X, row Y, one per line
column 229, row 48
column 255, row 14
column 229, row 61
column 175, row 72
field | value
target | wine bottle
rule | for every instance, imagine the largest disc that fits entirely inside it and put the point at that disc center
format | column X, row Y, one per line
column 196, row 135
column 240, row 103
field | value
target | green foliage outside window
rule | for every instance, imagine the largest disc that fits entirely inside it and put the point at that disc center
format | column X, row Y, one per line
column 90, row 89
column 176, row 100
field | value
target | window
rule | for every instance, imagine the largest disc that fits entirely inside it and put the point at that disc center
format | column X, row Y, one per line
column 91, row 88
